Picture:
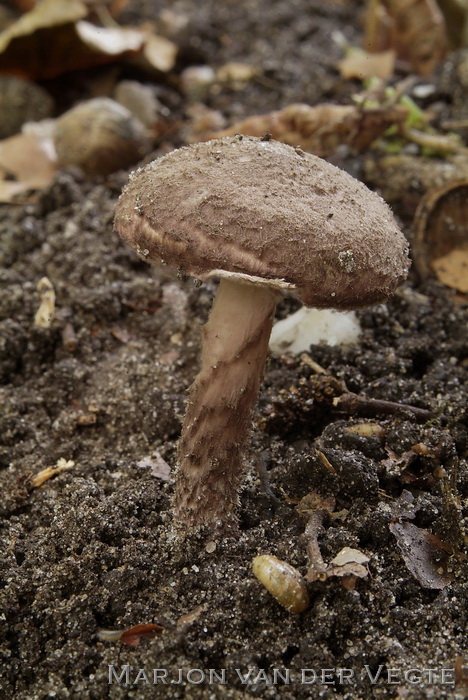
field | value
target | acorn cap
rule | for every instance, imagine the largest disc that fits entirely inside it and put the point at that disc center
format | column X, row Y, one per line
column 265, row 213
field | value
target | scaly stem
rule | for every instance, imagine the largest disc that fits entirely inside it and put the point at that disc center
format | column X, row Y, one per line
column 235, row 347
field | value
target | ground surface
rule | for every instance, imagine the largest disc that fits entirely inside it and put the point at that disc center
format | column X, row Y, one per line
column 93, row 547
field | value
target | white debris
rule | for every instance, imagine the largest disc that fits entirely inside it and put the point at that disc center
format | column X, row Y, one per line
column 46, row 311
column 307, row 327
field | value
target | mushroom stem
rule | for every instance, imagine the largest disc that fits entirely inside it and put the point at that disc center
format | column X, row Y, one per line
column 235, row 348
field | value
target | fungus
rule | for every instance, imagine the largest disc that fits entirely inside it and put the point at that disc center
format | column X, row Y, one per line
column 266, row 219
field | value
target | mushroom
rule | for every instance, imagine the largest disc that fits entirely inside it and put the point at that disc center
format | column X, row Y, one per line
column 266, row 219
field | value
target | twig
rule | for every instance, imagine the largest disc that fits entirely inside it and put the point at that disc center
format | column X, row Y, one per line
column 315, row 508
column 364, row 406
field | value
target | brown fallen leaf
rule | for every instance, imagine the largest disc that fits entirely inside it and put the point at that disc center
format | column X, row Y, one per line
column 74, row 43
column 21, row 102
column 47, row 473
column 407, row 178
column 321, row 129
column 112, row 41
column 349, row 562
column 22, row 43
column 362, row 64
column 115, row 7
column 348, row 565
column 69, row 337
column 452, row 269
column 27, row 162
column 424, row 554
column 191, row 616
column 461, row 672
column 415, row 29
column 456, row 21
column 441, row 235
column 325, row 461
column 158, row 52
column 158, row 466
column 203, row 121
column 132, row 636
column 236, row 74
column 367, row 430
column 121, row 334
column 86, row 419
column 444, row 144
column 169, row 358
column 140, row 100
column 24, row 5
column 46, row 312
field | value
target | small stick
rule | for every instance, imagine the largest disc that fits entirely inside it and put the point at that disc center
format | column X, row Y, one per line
column 315, row 509
column 364, row 406
column 69, row 339
column 262, row 471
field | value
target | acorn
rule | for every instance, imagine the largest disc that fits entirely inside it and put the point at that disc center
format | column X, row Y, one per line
column 100, row 136
column 283, row 581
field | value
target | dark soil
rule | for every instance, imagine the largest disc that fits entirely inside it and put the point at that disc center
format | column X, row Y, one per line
column 93, row 548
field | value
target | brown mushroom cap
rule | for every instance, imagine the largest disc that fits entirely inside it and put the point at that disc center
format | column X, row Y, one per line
column 266, row 213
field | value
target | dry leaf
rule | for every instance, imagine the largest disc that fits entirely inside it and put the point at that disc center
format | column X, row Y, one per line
column 203, row 121
column 113, row 41
column 132, row 636
column 24, row 5
column 349, row 555
column 46, row 311
column 325, row 461
column 86, row 419
column 47, row 13
column 73, row 43
column 456, row 21
column 49, row 24
column 47, row 473
column 28, row 159
column 321, row 129
column 159, row 52
column 425, row 555
column 452, row 269
column 10, row 190
column 121, row 334
column 140, row 100
column 362, row 64
column 69, row 337
column 116, row 7
column 441, row 235
column 406, row 178
column 21, row 102
column 436, row 143
column 461, row 672
column 367, row 430
column 349, row 562
column 191, row 616
column 415, row 29
column 168, row 358
column 158, row 465
column 235, row 72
